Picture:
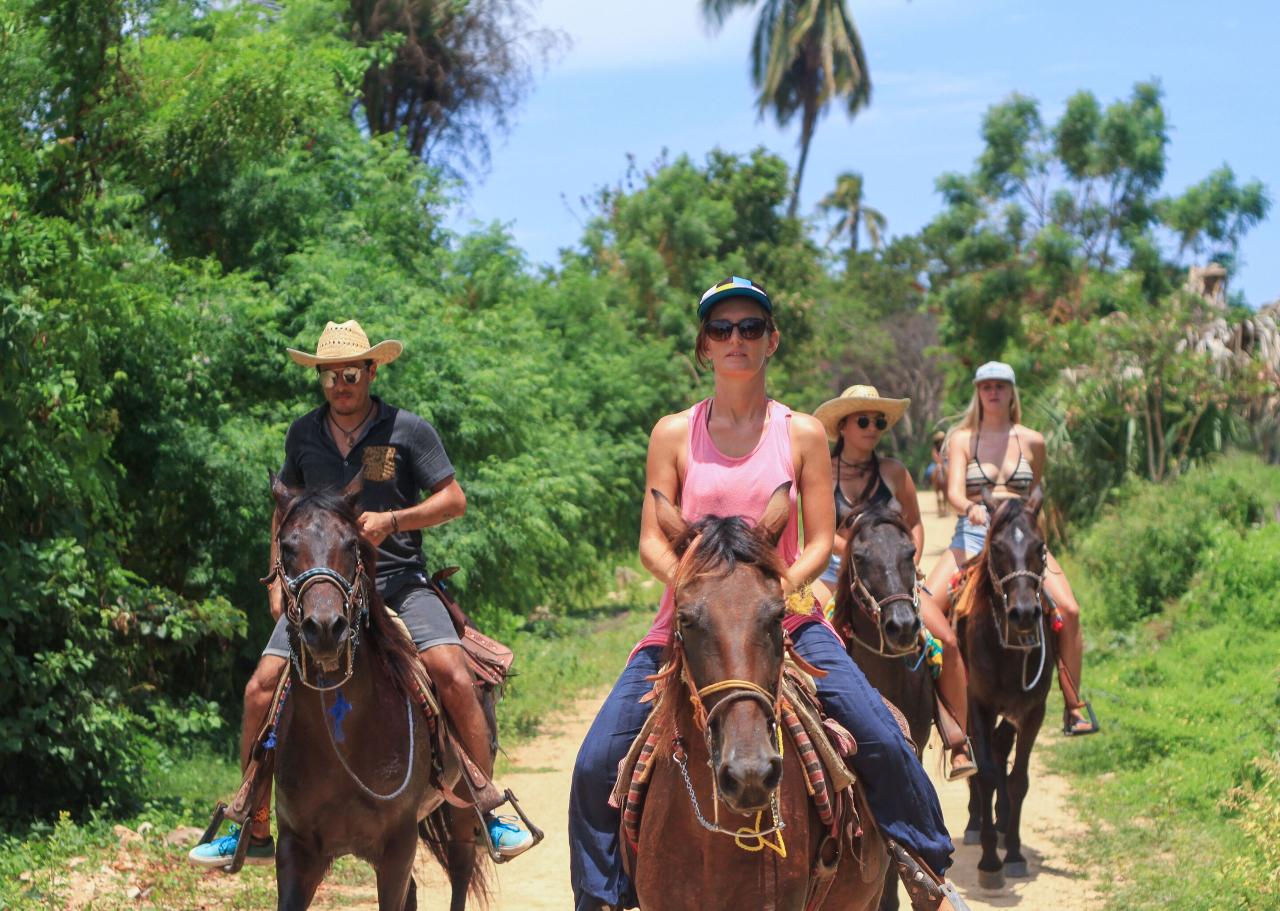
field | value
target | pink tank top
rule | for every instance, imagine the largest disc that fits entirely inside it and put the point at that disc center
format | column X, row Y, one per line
column 715, row 484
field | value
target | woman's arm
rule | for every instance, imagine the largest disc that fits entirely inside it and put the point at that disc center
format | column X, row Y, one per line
column 957, row 465
column 1039, row 454
column 662, row 473
column 812, row 462
column 904, row 491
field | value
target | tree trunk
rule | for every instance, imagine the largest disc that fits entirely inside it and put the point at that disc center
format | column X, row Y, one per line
column 806, row 136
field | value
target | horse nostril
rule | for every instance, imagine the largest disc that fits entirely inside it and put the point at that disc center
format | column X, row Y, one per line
column 729, row 785
column 310, row 629
column 338, row 628
column 892, row 627
column 915, row 627
column 774, row 774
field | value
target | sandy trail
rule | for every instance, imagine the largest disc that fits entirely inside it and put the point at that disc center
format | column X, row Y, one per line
column 540, row 771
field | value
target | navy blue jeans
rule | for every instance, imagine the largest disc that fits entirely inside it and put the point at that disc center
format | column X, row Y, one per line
column 899, row 792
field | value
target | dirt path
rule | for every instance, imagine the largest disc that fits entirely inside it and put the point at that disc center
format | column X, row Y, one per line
column 539, row 772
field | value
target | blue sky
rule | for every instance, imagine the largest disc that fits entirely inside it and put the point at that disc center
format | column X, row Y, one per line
column 646, row 75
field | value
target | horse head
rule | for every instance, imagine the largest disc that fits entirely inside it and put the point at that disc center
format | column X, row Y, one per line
column 876, row 594
column 1016, row 560
column 729, row 610
column 324, row 568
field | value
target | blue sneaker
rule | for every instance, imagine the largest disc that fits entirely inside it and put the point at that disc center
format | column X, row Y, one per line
column 508, row 837
column 218, row 853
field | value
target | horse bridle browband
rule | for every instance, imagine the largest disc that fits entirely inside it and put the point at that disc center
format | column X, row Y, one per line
column 872, row 606
column 355, row 607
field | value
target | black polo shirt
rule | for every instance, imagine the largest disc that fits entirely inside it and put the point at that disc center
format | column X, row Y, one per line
column 400, row 456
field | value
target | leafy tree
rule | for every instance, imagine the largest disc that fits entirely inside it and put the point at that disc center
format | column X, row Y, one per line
column 845, row 202
column 805, row 54
column 443, row 73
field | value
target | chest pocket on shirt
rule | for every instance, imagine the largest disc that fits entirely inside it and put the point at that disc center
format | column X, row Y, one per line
column 379, row 463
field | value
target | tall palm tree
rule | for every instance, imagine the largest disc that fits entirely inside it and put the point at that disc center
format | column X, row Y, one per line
column 846, row 202
column 804, row 55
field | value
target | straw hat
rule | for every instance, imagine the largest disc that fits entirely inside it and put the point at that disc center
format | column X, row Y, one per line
column 341, row 342
column 855, row 399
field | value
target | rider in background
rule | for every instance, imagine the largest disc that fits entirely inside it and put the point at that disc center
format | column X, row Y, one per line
column 398, row 455
column 935, row 473
column 725, row 456
column 855, row 422
column 989, row 450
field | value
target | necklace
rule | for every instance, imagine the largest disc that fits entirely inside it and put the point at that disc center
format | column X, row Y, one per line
column 351, row 434
column 859, row 466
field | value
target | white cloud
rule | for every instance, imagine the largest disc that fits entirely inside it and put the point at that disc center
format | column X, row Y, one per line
column 624, row 34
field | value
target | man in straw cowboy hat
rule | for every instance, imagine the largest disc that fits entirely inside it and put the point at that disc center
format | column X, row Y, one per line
column 397, row 455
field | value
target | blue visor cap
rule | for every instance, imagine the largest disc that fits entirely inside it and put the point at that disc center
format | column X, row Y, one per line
column 737, row 286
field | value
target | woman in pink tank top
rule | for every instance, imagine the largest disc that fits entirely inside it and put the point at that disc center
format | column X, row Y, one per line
column 725, row 456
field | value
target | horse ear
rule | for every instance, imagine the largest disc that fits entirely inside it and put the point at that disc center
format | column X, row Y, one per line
column 670, row 521
column 776, row 512
column 351, row 493
column 283, row 494
column 1035, row 501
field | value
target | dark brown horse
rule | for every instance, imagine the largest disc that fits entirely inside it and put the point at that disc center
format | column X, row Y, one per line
column 355, row 756
column 728, row 823
column 877, row 610
column 1010, row 653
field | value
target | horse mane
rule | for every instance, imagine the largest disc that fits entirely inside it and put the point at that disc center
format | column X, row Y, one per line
column 978, row 570
column 712, row 546
column 388, row 645
column 715, row 545
column 876, row 514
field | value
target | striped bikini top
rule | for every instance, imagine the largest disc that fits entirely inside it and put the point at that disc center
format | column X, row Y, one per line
column 1018, row 482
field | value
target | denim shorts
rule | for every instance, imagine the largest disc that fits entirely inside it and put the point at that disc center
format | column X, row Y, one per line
column 419, row 607
column 832, row 572
column 969, row 539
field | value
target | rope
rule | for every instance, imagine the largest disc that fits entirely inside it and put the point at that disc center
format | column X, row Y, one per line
column 408, row 762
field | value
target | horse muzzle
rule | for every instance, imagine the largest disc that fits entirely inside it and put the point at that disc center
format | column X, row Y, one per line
column 747, row 783
column 326, row 638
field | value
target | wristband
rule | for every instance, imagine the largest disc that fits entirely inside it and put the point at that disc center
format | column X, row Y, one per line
column 395, row 523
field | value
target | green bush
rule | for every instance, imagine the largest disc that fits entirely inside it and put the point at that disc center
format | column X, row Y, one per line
column 1148, row 544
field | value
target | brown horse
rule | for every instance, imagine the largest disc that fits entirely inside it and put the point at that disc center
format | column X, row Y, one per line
column 877, row 610
column 355, row 759
column 728, row 822
column 1010, row 655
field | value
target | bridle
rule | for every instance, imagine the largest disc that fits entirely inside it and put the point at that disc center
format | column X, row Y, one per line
column 734, row 690
column 872, row 606
column 1024, row 645
column 355, row 607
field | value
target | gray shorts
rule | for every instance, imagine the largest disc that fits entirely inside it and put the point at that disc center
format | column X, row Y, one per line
column 420, row 608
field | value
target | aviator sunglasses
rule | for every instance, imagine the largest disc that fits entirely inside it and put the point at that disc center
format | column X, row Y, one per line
column 864, row 422
column 749, row 329
column 350, row 376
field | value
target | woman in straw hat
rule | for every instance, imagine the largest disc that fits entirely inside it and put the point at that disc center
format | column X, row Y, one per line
column 990, row 451
column 855, row 421
column 725, row 456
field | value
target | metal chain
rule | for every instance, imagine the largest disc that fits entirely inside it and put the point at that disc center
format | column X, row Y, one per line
column 778, row 824
column 408, row 763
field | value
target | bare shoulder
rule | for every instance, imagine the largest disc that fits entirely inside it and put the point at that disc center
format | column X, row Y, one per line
column 671, row 428
column 807, row 430
column 959, row 439
column 1034, row 437
column 892, row 469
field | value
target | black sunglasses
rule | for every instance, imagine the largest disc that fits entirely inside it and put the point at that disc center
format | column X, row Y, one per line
column 864, row 422
column 350, row 376
column 749, row 329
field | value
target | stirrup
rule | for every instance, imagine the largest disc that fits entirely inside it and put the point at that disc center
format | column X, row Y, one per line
column 494, row 854
column 966, row 769
column 928, row 891
column 221, row 812
column 1069, row 720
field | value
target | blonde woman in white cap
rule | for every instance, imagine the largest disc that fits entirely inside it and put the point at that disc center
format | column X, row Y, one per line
column 855, row 423
column 990, row 451
column 399, row 457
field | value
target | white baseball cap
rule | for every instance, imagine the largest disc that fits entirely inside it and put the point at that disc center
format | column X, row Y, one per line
column 995, row 370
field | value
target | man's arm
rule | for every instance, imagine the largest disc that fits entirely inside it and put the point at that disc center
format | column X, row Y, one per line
column 275, row 590
column 444, row 503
